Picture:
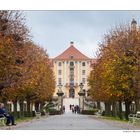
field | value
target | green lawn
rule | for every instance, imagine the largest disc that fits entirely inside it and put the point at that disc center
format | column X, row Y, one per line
column 25, row 119
column 20, row 120
column 113, row 118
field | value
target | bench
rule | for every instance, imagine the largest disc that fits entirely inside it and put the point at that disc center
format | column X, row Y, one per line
column 134, row 118
column 2, row 118
column 37, row 114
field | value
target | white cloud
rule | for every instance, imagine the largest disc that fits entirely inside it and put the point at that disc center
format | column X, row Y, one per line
column 87, row 47
column 53, row 30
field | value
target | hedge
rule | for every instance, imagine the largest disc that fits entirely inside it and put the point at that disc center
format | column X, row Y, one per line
column 89, row 112
column 54, row 112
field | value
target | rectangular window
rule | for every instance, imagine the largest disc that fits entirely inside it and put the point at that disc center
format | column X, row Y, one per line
column 71, row 72
column 83, row 64
column 59, row 72
column 83, row 80
column 83, row 72
column 71, row 69
column 59, row 81
column 59, row 64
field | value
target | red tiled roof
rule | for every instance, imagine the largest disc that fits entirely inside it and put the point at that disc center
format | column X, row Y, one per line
column 71, row 53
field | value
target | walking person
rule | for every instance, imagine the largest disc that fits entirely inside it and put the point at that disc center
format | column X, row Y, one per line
column 10, row 118
column 75, row 109
column 78, row 109
column 63, row 109
column 70, row 106
column 72, row 109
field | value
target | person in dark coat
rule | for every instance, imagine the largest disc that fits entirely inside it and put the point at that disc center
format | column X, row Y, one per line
column 70, row 107
column 10, row 118
column 78, row 109
column 75, row 109
column 63, row 109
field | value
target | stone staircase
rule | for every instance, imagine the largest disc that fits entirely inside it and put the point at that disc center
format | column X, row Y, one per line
column 68, row 101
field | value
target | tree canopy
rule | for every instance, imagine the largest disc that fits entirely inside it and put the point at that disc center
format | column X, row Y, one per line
column 25, row 68
column 116, row 74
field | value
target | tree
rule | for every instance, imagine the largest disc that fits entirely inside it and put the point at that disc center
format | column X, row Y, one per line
column 118, row 59
column 13, row 34
column 25, row 72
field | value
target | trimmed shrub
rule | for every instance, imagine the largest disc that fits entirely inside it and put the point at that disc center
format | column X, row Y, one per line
column 33, row 113
column 54, row 112
column 89, row 112
column 103, row 113
column 16, row 115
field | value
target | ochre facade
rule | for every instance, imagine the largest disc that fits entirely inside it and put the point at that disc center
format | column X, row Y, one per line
column 71, row 68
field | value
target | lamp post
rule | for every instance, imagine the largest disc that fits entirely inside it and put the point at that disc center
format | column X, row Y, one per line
column 81, row 99
column 60, row 94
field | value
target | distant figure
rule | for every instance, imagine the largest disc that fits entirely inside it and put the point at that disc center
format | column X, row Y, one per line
column 75, row 109
column 63, row 109
column 70, row 106
column 10, row 118
column 72, row 109
column 78, row 109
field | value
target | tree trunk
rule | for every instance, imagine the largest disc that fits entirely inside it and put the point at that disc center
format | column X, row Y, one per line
column 15, row 109
column 28, row 108
column 120, row 110
column 21, row 108
column 137, row 104
column 37, row 106
column 127, row 109
column 4, row 101
column 114, row 111
column 107, row 109
column 41, row 105
column 98, row 105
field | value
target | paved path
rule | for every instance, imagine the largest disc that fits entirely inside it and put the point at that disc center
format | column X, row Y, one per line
column 68, row 121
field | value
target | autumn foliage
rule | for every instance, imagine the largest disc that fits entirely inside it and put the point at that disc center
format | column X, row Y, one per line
column 115, row 77
column 25, row 68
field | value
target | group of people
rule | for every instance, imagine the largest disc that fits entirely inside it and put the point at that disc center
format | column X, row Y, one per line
column 4, row 113
column 75, row 109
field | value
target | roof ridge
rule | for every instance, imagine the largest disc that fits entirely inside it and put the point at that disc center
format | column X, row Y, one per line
column 72, row 50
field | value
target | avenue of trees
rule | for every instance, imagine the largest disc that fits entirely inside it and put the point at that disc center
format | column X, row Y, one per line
column 25, row 68
column 115, row 78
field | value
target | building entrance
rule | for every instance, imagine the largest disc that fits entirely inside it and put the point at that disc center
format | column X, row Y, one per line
column 70, row 101
column 71, row 92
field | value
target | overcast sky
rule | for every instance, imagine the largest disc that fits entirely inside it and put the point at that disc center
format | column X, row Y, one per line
column 53, row 30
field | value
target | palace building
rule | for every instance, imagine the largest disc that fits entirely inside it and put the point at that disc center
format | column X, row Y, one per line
column 71, row 68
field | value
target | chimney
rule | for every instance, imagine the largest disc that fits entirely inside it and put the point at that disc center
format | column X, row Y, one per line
column 71, row 43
